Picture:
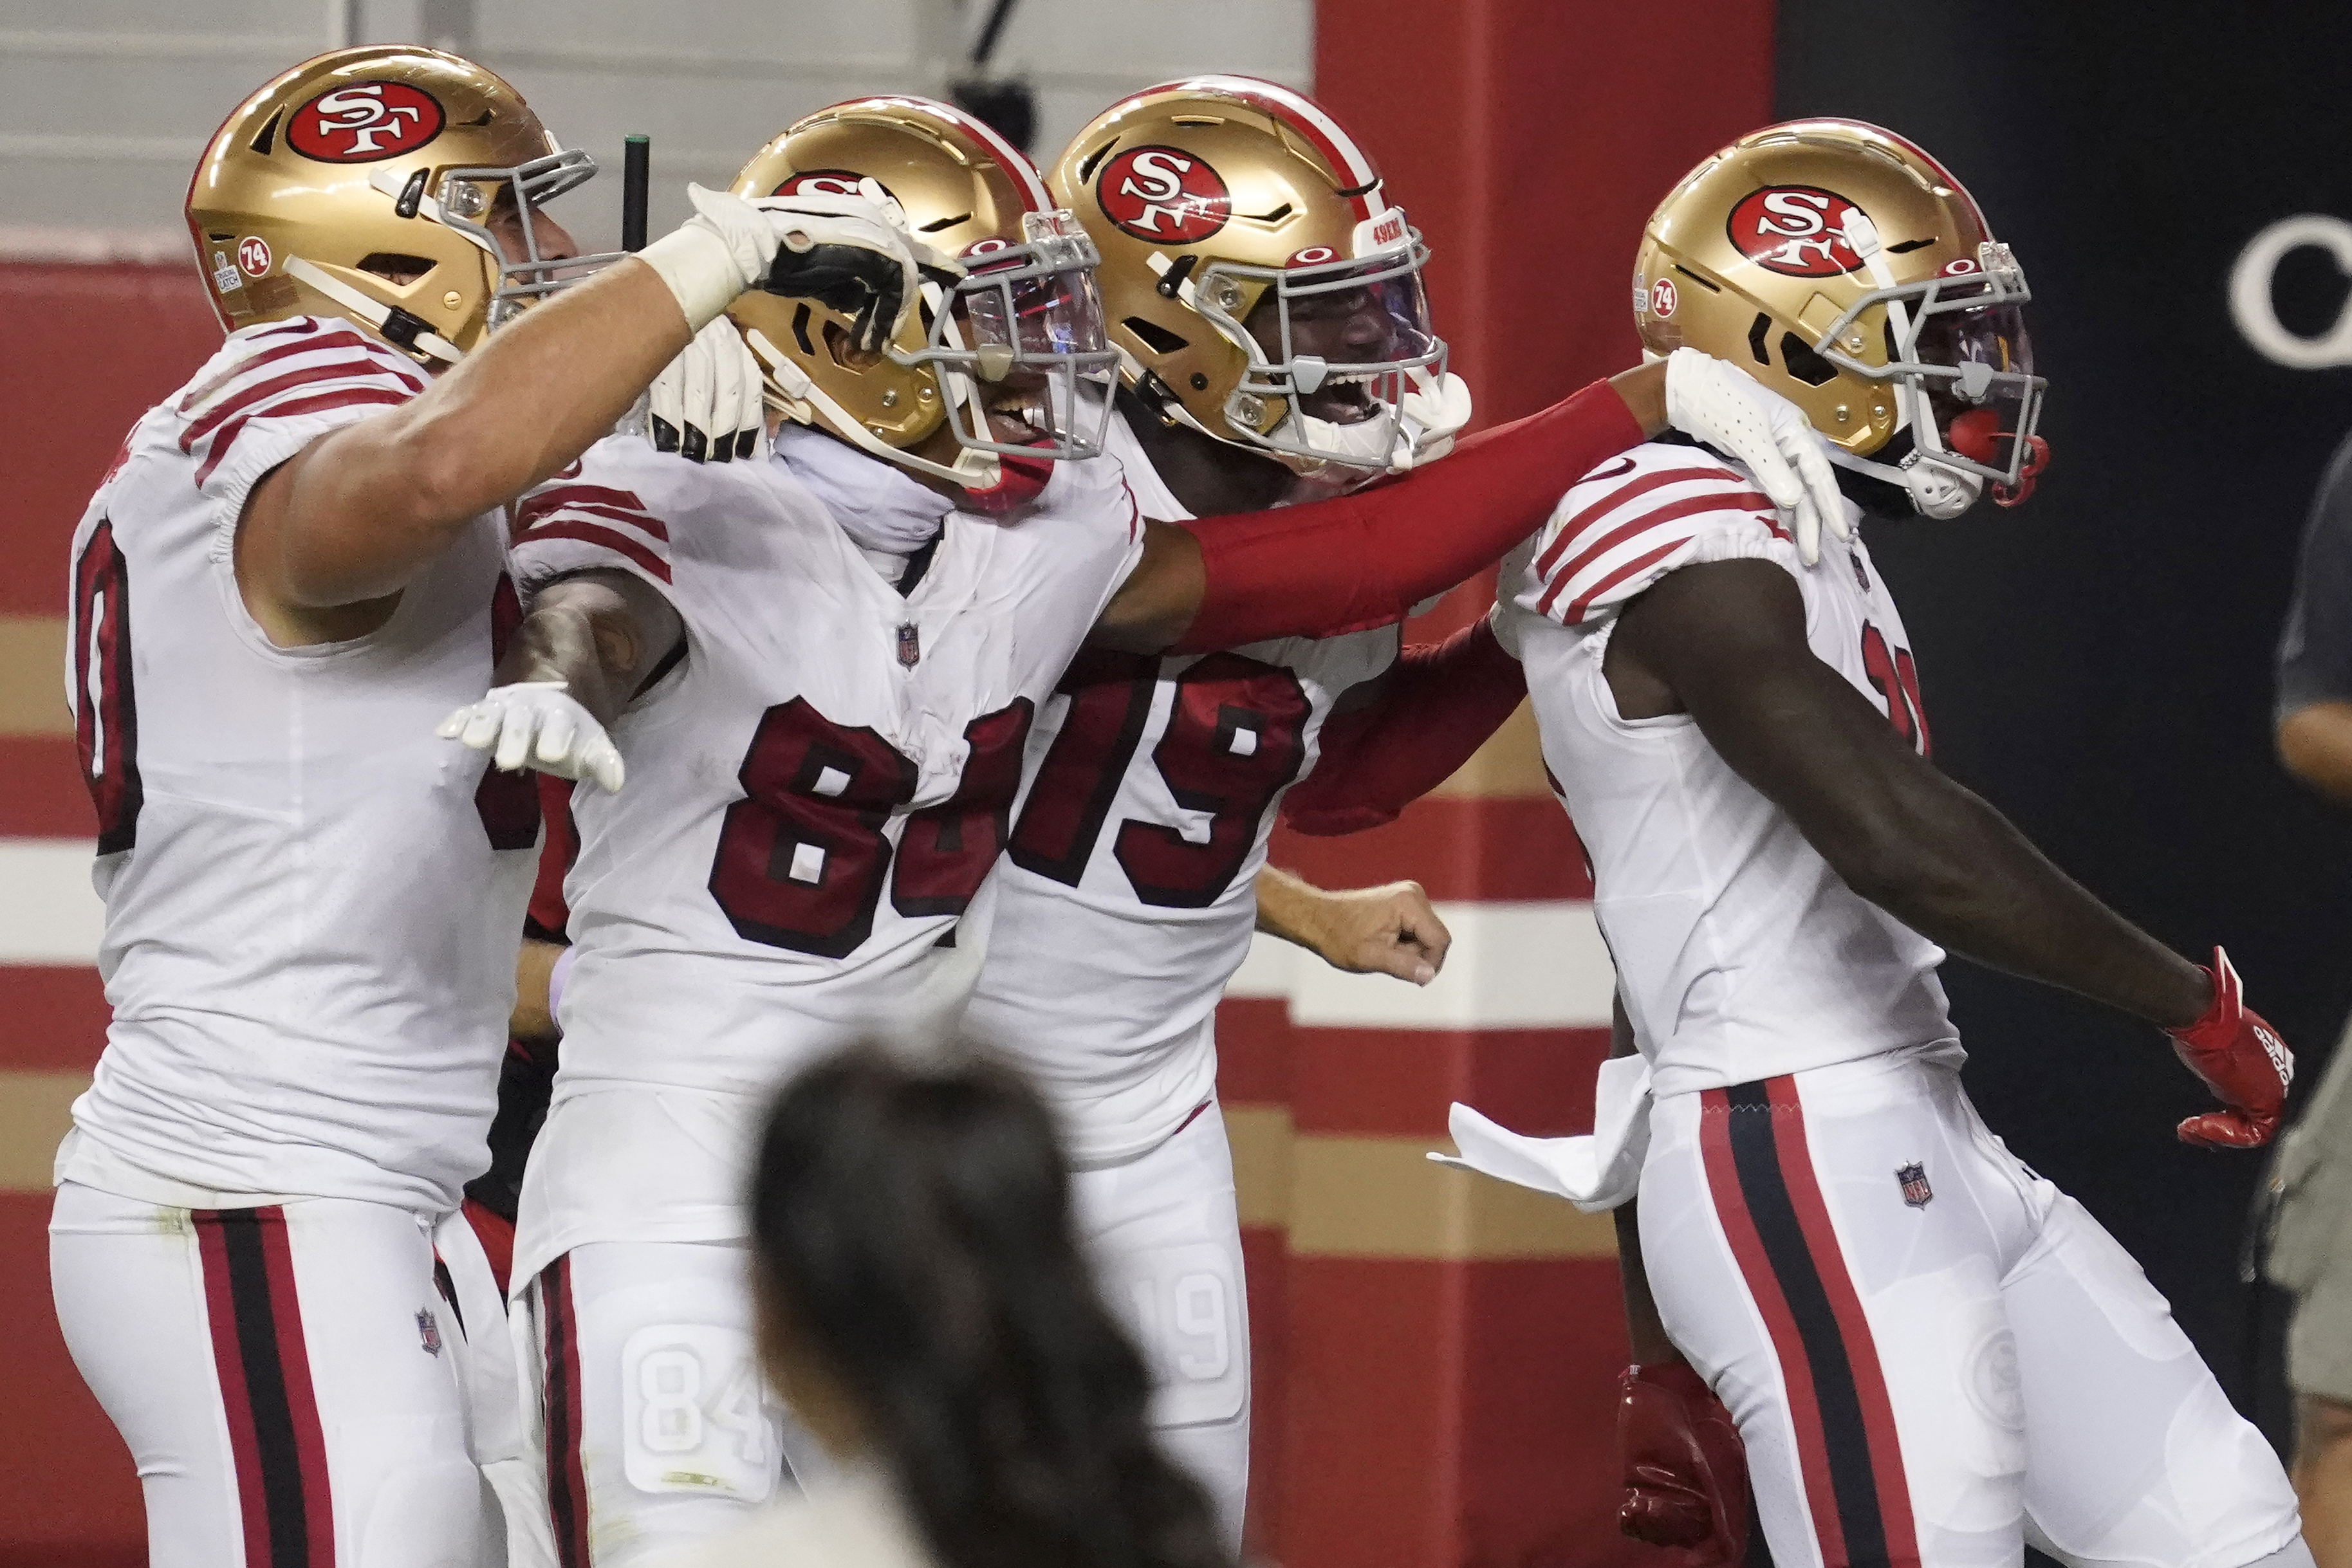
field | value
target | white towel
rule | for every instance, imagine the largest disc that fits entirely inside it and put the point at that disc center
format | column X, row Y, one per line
column 1596, row 1172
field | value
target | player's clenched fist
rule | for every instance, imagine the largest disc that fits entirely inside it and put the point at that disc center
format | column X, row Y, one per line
column 1686, row 1470
column 2241, row 1059
column 536, row 723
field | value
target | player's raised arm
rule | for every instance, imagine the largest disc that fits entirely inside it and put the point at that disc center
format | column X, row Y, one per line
column 1725, row 642
column 1365, row 559
column 354, row 514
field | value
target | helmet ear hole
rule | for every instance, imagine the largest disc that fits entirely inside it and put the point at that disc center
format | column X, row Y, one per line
column 1803, row 363
column 395, row 268
column 1155, row 337
column 1756, row 331
column 800, row 329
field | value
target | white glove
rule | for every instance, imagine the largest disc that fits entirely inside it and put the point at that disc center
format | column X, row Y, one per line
column 1723, row 405
column 706, row 402
column 536, row 723
column 731, row 245
column 1431, row 415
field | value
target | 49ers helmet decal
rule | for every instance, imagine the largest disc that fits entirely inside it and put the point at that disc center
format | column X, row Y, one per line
column 363, row 121
column 1256, row 282
column 1846, row 269
column 1158, row 193
column 362, row 185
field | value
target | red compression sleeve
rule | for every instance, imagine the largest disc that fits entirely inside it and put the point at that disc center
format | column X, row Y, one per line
column 1438, row 704
column 1365, row 559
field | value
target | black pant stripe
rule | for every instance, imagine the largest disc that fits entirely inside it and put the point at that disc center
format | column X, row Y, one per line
column 555, row 1304
column 1755, row 1155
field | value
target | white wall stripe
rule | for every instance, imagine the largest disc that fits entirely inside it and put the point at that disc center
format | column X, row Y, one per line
column 49, row 913
column 1513, row 966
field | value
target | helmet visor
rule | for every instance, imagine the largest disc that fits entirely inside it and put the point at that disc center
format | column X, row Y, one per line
column 1958, row 343
column 1019, row 348
column 1334, row 341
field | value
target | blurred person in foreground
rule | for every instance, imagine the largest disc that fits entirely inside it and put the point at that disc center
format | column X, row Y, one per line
column 924, row 1307
column 2311, row 1246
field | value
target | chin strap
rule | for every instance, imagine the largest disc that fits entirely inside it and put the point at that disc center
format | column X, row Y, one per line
column 804, row 402
column 389, row 322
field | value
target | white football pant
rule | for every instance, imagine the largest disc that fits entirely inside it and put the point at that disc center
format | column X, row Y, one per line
column 657, row 1425
column 1935, row 1356
column 1166, row 1240
column 285, row 1379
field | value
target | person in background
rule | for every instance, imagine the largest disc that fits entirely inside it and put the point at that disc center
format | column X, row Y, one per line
column 924, row 1308
column 2311, row 1244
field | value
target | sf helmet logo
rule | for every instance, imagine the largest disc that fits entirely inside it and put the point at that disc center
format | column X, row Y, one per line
column 1794, row 229
column 365, row 122
column 1164, row 193
column 824, row 182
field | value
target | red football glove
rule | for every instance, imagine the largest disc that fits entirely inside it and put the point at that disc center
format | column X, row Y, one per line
column 1686, row 1470
column 2241, row 1059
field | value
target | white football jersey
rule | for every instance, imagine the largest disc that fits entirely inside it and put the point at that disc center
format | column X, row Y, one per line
column 816, row 796
column 1128, row 898
column 311, row 901
column 1740, row 953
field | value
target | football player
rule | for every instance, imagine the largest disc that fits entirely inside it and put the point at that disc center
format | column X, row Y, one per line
column 1933, row 1355
column 830, row 663
column 296, row 565
column 1265, row 294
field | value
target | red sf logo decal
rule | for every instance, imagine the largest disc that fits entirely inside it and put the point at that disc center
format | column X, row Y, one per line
column 253, row 256
column 1164, row 193
column 365, row 122
column 1794, row 229
column 824, row 182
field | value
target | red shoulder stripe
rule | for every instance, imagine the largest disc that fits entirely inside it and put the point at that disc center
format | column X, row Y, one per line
column 1583, row 601
column 609, row 539
column 318, row 403
column 622, row 506
column 1590, row 550
column 332, row 371
column 386, row 363
column 1620, row 496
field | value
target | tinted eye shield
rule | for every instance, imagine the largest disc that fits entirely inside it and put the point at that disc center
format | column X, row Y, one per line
column 1957, row 342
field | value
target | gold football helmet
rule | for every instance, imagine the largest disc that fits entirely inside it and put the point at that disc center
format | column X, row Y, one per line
column 361, row 184
column 1019, row 335
column 1850, row 272
column 1258, row 285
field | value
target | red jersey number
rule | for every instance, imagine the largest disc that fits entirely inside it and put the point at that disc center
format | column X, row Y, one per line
column 105, row 713
column 803, row 857
column 1896, row 676
column 1236, row 737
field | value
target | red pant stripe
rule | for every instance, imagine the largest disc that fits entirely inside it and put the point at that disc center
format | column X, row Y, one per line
column 1764, row 1289
column 1804, row 1189
column 263, row 1363
column 567, row 1477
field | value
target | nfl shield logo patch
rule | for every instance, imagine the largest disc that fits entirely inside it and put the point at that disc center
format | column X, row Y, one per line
column 1916, row 1190
column 910, row 646
column 428, row 1331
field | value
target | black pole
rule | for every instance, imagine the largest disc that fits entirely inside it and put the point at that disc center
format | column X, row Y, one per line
column 636, row 168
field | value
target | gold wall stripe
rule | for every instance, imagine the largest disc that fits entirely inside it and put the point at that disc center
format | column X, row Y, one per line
column 1510, row 762
column 32, row 682
column 1260, row 1138
column 1347, row 1197
column 36, row 1109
